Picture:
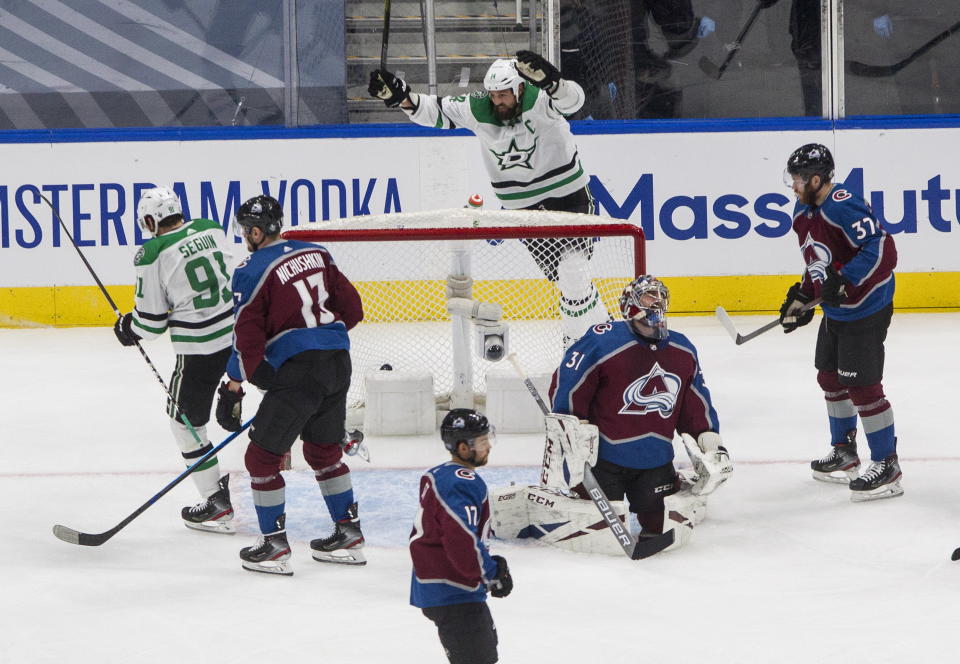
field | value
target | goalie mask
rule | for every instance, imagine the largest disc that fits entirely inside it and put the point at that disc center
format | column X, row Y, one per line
column 644, row 303
column 503, row 75
column 464, row 425
column 158, row 204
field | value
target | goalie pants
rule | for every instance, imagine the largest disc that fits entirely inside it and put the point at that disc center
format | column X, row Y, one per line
column 467, row 632
column 308, row 397
column 548, row 251
column 644, row 489
column 194, row 381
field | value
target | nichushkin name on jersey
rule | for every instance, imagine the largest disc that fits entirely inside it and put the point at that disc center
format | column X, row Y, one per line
column 299, row 264
column 196, row 245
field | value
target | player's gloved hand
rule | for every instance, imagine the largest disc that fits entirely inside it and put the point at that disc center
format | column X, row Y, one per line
column 710, row 460
column 263, row 376
column 502, row 583
column 387, row 86
column 229, row 408
column 124, row 331
column 790, row 315
column 883, row 26
column 538, row 71
column 834, row 292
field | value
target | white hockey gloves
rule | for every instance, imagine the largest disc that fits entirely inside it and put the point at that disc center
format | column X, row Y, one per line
column 711, row 463
column 570, row 442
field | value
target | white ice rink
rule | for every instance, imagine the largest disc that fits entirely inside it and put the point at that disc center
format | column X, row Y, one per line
column 785, row 569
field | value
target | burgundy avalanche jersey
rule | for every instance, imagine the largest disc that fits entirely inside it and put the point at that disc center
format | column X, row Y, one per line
column 844, row 233
column 637, row 392
column 289, row 297
column 451, row 564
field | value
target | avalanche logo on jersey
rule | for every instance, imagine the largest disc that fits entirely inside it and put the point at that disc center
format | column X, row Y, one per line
column 513, row 156
column 817, row 257
column 465, row 474
column 655, row 392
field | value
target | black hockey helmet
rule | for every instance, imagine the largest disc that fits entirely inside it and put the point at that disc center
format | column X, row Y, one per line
column 463, row 424
column 263, row 212
column 809, row 160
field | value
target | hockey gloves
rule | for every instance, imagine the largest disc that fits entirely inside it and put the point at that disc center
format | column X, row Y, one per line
column 229, row 408
column 502, row 583
column 388, row 87
column 834, row 290
column 790, row 315
column 537, row 70
column 125, row 334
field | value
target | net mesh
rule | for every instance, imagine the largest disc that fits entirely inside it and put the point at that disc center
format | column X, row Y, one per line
column 403, row 283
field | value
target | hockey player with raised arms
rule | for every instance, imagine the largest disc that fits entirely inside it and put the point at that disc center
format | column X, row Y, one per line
column 293, row 309
column 183, row 285
column 530, row 157
column 639, row 383
column 452, row 569
column 848, row 263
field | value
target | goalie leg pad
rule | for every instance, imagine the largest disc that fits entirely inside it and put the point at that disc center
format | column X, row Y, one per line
column 682, row 512
column 570, row 443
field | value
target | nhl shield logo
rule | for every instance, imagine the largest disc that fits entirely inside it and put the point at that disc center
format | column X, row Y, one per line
column 655, row 392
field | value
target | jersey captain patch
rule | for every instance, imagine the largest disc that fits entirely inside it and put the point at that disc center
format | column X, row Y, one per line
column 656, row 391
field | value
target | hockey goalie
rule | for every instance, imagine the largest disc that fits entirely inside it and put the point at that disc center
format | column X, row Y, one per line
column 620, row 395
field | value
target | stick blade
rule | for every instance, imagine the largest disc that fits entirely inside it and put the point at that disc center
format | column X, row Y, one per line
column 728, row 325
column 870, row 71
column 709, row 68
column 647, row 547
column 71, row 536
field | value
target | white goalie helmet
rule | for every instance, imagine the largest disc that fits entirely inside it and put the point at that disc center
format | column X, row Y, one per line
column 644, row 303
column 503, row 75
column 157, row 203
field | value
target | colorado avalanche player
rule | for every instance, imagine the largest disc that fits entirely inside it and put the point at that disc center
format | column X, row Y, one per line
column 639, row 383
column 849, row 260
column 452, row 569
column 293, row 309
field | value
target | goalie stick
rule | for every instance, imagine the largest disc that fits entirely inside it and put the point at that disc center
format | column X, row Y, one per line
column 738, row 338
column 72, row 536
column 634, row 548
column 876, row 71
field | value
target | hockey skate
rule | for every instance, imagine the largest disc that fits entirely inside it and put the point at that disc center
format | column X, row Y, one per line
column 882, row 480
column 271, row 553
column 842, row 465
column 213, row 514
column 345, row 546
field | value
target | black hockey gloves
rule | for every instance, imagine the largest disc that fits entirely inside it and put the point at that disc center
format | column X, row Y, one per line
column 386, row 86
column 538, row 70
column 502, row 583
column 790, row 315
column 229, row 408
column 834, row 290
column 125, row 334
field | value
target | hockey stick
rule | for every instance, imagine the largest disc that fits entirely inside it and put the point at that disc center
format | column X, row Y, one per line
column 116, row 310
column 634, row 548
column 738, row 338
column 72, row 536
column 385, row 37
column 712, row 70
column 874, row 71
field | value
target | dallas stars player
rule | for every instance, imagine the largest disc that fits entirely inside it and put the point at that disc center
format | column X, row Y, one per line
column 183, row 283
column 530, row 157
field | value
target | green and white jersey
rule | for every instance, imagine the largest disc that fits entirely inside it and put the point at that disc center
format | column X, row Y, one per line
column 183, row 283
column 528, row 159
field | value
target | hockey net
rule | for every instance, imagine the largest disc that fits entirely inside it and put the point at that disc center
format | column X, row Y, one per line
column 400, row 264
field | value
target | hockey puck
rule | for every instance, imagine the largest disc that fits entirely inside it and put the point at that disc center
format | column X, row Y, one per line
column 956, row 555
column 386, row 367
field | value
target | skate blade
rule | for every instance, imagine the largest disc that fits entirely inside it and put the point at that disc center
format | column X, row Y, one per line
column 340, row 557
column 887, row 491
column 281, row 567
column 220, row 527
column 847, row 477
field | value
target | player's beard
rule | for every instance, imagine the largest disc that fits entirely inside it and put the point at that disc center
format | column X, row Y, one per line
column 505, row 112
column 809, row 195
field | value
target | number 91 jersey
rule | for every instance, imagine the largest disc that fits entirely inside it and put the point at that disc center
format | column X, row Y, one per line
column 183, row 283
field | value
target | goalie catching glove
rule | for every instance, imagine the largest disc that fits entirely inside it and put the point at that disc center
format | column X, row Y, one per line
column 389, row 87
column 711, row 462
column 538, row 71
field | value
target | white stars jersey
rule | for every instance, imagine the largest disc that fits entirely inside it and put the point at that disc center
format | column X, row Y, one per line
column 528, row 159
column 183, row 283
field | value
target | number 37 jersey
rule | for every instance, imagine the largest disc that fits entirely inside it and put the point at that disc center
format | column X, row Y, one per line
column 289, row 297
column 183, row 284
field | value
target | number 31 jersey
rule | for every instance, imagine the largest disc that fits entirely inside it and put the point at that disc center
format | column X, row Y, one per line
column 183, row 284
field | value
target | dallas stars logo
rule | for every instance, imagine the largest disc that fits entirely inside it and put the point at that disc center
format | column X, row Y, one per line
column 513, row 156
